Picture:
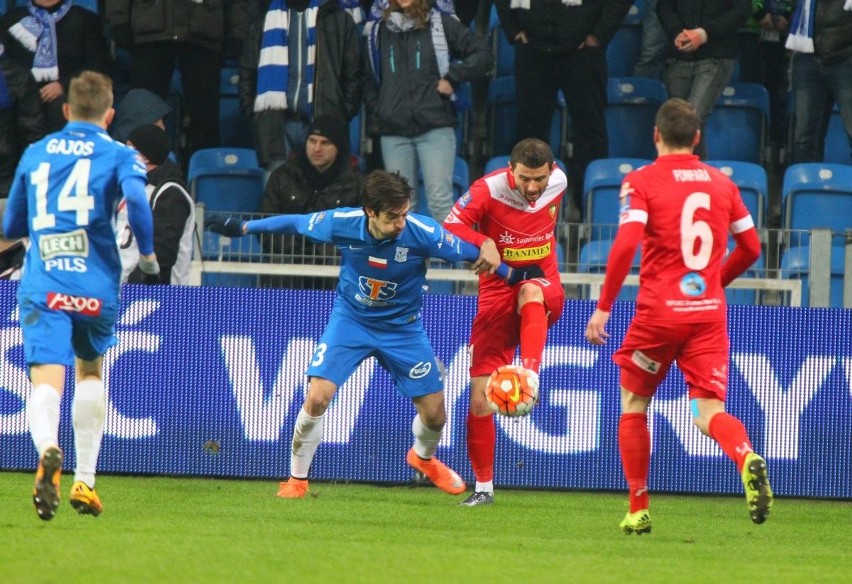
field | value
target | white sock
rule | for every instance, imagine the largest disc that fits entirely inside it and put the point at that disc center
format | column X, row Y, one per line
column 43, row 416
column 425, row 440
column 87, row 415
column 307, row 436
column 484, row 487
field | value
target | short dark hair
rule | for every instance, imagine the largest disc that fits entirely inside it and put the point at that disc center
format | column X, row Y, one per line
column 532, row 153
column 385, row 191
column 677, row 122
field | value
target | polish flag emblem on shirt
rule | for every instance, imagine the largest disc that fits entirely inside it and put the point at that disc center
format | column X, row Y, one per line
column 377, row 263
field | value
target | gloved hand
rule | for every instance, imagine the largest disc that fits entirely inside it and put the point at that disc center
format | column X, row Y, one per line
column 530, row 272
column 150, row 271
column 122, row 36
column 225, row 225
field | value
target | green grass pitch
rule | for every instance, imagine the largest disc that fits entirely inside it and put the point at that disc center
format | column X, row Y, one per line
column 163, row 530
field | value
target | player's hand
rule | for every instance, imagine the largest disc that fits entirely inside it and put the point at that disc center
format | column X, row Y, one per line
column 596, row 328
column 150, row 269
column 518, row 275
column 489, row 258
column 225, row 225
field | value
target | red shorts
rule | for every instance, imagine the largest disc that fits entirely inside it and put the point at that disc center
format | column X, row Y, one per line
column 701, row 351
column 495, row 333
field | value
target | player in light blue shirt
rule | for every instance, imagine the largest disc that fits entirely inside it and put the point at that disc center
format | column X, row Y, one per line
column 63, row 198
column 385, row 251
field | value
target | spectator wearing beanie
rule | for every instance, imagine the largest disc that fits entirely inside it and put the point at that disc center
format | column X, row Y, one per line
column 323, row 176
column 172, row 207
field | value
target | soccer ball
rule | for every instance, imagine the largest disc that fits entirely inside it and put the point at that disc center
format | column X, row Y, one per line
column 512, row 391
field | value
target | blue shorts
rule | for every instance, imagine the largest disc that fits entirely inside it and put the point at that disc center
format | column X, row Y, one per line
column 404, row 351
column 56, row 328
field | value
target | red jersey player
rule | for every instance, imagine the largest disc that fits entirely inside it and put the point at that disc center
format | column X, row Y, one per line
column 682, row 211
column 510, row 215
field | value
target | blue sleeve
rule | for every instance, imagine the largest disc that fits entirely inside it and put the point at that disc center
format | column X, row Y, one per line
column 139, row 213
column 454, row 249
column 316, row 226
column 15, row 216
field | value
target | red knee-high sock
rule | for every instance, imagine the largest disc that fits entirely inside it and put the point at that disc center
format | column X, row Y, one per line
column 731, row 435
column 481, row 440
column 533, row 334
column 634, row 443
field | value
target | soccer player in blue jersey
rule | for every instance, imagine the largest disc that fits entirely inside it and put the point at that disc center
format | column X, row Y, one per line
column 384, row 251
column 64, row 197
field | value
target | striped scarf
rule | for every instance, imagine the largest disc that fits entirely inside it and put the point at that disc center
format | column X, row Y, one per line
column 37, row 33
column 273, row 66
column 801, row 37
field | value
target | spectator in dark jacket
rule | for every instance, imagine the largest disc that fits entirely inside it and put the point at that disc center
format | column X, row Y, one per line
column 821, row 41
column 562, row 45
column 195, row 35
column 322, row 176
column 139, row 107
column 703, row 50
column 172, row 208
column 55, row 40
column 410, row 82
column 281, row 106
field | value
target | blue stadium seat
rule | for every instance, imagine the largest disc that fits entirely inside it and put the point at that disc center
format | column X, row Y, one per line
column 753, row 184
column 601, row 189
column 795, row 264
column 503, row 51
column 838, row 148
column 623, row 50
column 632, row 104
column 235, row 130
column 501, row 129
column 818, row 195
column 593, row 259
column 226, row 179
column 738, row 126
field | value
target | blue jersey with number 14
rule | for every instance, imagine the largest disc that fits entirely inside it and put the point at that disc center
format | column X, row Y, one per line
column 68, row 185
column 380, row 279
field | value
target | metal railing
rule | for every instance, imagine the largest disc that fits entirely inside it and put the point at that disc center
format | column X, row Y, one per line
column 292, row 261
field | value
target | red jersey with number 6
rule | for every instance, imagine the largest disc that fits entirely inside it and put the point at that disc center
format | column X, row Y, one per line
column 688, row 209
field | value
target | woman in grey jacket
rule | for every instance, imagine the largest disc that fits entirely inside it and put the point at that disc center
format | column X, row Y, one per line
column 414, row 69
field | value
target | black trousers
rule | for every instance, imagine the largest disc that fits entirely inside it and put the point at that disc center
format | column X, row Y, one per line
column 582, row 77
column 152, row 66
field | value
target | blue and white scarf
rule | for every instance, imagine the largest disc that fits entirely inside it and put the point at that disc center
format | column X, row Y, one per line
column 445, row 6
column 273, row 66
column 37, row 33
column 801, row 37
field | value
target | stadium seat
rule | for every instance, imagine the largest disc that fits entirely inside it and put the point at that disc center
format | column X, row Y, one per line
column 593, row 259
column 738, row 126
column 503, row 51
column 838, row 148
column 601, row 189
column 501, row 114
column 632, row 104
column 226, row 179
column 753, row 184
column 235, row 130
column 795, row 264
column 817, row 195
column 623, row 50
